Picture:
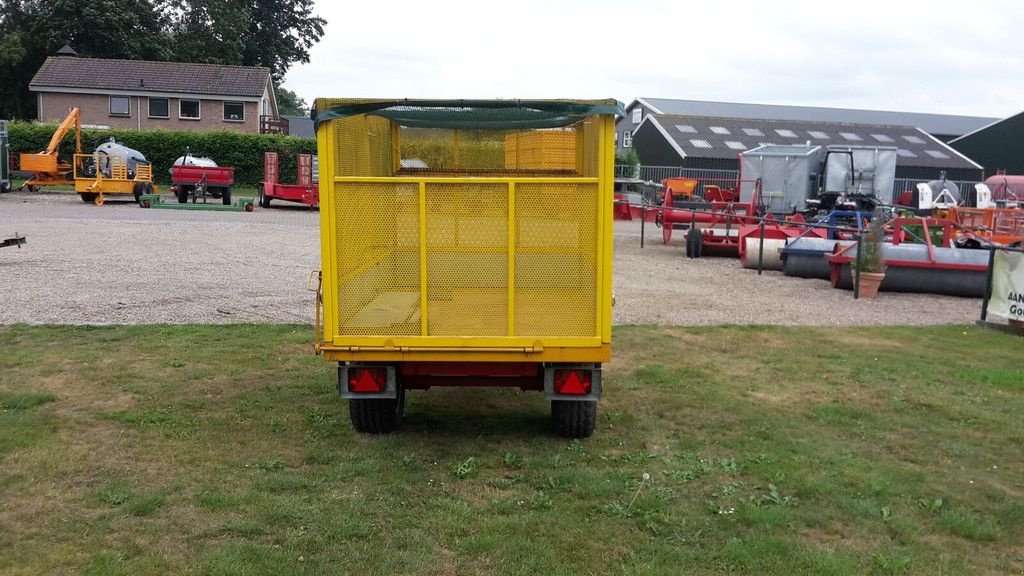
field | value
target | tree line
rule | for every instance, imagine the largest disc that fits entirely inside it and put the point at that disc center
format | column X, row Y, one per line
column 272, row 33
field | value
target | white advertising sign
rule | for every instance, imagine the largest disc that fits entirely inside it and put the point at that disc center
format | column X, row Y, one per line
column 1007, row 299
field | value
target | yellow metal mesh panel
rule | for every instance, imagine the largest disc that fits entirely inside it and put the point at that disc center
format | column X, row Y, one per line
column 377, row 240
column 467, row 259
column 445, row 151
column 363, row 146
column 556, row 260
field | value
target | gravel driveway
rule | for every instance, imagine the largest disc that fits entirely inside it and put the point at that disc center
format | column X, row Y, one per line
column 119, row 264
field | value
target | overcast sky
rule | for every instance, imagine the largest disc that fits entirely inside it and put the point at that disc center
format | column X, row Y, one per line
column 914, row 56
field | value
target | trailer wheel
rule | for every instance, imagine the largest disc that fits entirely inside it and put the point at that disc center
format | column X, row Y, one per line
column 182, row 195
column 377, row 416
column 694, row 242
column 226, row 197
column 5, row 187
column 264, row 200
column 573, row 418
column 87, row 197
column 138, row 190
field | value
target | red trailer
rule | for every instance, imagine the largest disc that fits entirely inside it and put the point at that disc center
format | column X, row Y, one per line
column 197, row 182
column 305, row 191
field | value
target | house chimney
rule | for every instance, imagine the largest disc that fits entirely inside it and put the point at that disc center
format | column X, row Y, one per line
column 67, row 50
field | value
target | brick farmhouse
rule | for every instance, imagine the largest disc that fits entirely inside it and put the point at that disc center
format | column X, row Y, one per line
column 156, row 95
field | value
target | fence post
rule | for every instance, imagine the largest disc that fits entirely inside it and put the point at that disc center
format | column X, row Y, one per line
column 988, row 283
column 643, row 218
column 760, row 250
column 855, row 273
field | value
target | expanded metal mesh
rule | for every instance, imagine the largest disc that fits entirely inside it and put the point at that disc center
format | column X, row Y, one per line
column 447, row 273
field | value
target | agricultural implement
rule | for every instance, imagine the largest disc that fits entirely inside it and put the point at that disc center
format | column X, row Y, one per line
column 306, row 190
column 920, row 256
column 196, row 178
column 15, row 241
column 466, row 243
column 46, row 167
column 154, row 201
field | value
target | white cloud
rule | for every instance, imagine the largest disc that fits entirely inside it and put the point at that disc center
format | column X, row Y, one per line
column 912, row 56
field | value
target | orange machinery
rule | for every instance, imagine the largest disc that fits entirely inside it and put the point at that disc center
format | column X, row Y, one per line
column 46, row 168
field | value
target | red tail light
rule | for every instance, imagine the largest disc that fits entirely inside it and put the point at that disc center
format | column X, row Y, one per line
column 575, row 382
column 367, row 379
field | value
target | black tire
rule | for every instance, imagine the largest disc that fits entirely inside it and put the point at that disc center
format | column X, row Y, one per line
column 377, row 416
column 138, row 190
column 573, row 418
column 87, row 197
column 226, row 197
column 263, row 198
column 149, row 187
column 694, row 240
column 5, row 187
column 182, row 195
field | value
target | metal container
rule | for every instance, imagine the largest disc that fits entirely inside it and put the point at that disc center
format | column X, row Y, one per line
column 788, row 175
column 861, row 171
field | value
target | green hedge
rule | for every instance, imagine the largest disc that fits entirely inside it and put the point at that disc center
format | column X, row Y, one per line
column 161, row 147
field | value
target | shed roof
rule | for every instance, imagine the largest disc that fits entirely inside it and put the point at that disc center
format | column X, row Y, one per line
column 103, row 75
column 724, row 138
column 940, row 124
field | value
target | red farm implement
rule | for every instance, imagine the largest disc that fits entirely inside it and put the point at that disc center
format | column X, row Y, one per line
column 197, row 182
column 306, row 189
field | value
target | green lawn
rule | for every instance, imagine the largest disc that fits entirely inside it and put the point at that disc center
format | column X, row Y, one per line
column 225, row 450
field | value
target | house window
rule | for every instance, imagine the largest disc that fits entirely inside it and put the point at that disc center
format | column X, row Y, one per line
column 720, row 130
column 638, row 115
column 786, row 133
column 627, row 139
column 735, row 145
column 188, row 109
column 818, row 134
column 851, row 136
column 700, row 143
column 234, row 111
column 914, row 139
column 120, row 106
column 686, row 129
column 159, row 108
column 753, row 132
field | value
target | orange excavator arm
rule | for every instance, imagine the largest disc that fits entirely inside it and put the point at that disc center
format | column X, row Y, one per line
column 45, row 168
column 74, row 117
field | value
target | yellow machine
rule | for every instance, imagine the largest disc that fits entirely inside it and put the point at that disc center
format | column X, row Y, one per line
column 46, row 168
column 111, row 169
column 448, row 259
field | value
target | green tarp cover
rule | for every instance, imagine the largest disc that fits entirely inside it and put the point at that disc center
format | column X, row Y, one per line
column 472, row 114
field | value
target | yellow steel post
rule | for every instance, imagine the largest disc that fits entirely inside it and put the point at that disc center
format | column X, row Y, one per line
column 423, row 258
column 606, row 156
column 455, row 148
column 396, row 149
column 328, row 226
column 511, row 258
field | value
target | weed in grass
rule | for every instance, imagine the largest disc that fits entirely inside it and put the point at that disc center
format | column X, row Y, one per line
column 465, row 468
column 512, row 460
column 541, row 501
column 930, row 505
column 576, row 447
column 145, row 504
column 895, row 564
column 271, row 464
column 323, row 424
column 114, row 493
column 612, row 416
column 729, row 465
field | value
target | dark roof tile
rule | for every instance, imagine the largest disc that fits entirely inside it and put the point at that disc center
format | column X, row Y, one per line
column 146, row 76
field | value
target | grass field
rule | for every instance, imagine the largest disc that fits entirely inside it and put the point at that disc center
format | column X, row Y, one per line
column 224, row 450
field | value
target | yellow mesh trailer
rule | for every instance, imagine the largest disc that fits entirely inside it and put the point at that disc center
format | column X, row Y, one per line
column 465, row 242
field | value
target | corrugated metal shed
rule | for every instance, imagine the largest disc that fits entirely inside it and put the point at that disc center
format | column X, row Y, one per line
column 725, row 138
column 941, row 125
column 998, row 146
